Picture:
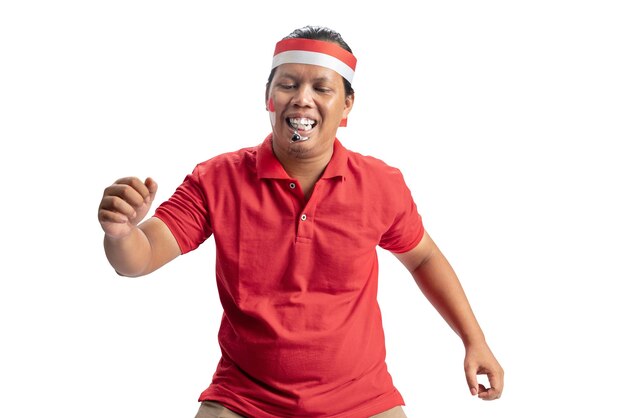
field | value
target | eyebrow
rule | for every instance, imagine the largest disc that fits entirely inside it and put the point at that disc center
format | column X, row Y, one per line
column 293, row 77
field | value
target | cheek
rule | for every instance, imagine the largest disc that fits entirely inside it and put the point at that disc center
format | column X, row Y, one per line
column 335, row 111
column 279, row 100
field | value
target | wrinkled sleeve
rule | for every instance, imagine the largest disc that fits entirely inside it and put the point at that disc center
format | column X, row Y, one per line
column 186, row 213
column 406, row 230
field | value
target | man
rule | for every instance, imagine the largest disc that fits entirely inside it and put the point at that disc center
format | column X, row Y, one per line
column 296, row 222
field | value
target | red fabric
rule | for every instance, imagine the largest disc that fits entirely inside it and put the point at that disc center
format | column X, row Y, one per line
column 302, row 332
column 314, row 45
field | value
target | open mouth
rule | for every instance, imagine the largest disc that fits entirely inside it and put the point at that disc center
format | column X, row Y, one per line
column 301, row 124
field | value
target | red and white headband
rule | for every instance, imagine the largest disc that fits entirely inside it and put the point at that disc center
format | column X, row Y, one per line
column 314, row 52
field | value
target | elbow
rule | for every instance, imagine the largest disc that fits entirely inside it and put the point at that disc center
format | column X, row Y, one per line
column 130, row 274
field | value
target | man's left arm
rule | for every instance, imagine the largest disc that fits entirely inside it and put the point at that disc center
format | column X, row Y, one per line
column 441, row 286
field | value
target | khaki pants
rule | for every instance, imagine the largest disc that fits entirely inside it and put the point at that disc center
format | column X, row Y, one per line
column 210, row 409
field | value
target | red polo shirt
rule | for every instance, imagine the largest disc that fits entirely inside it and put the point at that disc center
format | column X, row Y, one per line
column 302, row 332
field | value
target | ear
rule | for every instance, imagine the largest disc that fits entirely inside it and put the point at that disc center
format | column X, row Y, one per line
column 269, row 106
column 346, row 110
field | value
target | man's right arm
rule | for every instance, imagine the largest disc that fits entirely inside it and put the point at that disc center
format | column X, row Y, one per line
column 134, row 250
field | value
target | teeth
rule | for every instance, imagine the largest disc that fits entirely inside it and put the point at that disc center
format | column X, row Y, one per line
column 303, row 124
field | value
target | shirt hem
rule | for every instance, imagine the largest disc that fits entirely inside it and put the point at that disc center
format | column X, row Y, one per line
column 234, row 403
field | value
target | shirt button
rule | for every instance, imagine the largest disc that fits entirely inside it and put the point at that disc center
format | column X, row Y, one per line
column 292, row 185
column 303, row 217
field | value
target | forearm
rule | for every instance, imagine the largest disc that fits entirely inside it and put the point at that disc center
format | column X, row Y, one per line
column 441, row 286
column 130, row 255
column 439, row 283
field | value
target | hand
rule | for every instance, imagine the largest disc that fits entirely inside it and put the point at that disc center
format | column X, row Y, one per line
column 480, row 360
column 124, row 204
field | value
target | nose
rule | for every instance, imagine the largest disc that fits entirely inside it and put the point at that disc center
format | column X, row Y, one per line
column 303, row 96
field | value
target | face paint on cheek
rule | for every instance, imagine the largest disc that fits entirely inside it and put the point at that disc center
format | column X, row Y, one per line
column 272, row 111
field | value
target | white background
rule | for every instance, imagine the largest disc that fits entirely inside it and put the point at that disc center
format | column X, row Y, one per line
column 507, row 119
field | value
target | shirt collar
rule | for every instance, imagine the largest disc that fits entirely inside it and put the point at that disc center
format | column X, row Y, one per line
column 268, row 166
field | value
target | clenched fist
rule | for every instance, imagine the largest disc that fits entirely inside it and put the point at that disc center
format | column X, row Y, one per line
column 124, row 204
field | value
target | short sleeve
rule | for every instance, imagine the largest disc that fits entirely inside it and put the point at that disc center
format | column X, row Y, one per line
column 407, row 229
column 186, row 215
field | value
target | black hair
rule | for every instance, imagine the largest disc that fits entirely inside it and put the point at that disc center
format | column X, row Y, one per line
column 319, row 33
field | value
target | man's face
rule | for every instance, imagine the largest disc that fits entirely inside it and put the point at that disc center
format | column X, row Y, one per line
column 311, row 100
